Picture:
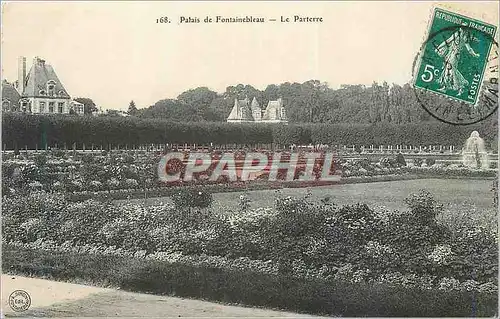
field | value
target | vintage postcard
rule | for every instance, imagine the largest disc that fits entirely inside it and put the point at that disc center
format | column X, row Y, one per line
column 249, row 159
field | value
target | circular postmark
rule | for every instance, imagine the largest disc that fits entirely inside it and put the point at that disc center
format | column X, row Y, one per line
column 455, row 73
column 19, row 300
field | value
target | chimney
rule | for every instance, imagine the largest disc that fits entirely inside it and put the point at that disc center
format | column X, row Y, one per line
column 21, row 74
column 38, row 61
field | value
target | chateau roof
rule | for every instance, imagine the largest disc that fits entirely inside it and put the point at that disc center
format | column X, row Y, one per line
column 273, row 110
column 244, row 111
column 38, row 76
column 10, row 94
column 241, row 111
column 255, row 104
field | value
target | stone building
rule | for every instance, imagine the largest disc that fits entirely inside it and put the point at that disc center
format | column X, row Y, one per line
column 10, row 98
column 244, row 111
column 39, row 91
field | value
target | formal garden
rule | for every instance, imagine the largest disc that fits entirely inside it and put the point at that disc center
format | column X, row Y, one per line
column 126, row 174
column 409, row 230
column 298, row 254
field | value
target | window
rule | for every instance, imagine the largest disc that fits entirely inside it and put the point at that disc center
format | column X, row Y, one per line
column 6, row 105
column 60, row 107
column 42, row 107
column 282, row 112
column 42, row 92
column 51, row 107
column 51, row 85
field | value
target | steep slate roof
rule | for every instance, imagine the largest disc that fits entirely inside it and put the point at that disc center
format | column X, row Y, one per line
column 255, row 104
column 273, row 110
column 37, row 78
column 10, row 93
column 241, row 111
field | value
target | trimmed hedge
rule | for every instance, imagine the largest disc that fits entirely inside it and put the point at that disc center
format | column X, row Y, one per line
column 36, row 130
column 330, row 297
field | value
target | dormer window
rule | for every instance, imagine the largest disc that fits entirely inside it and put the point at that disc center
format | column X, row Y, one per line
column 51, row 85
column 6, row 105
column 42, row 92
column 61, row 93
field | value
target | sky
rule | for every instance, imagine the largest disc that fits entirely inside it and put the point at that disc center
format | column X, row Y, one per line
column 115, row 52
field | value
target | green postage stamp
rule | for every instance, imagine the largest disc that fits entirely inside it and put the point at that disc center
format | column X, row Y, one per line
column 454, row 56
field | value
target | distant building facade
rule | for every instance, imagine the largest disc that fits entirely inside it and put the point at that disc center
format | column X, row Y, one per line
column 10, row 98
column 246, row 111
column 39, row 91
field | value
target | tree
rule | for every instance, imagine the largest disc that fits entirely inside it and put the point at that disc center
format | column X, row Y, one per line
column 199, row 98
column 89, row 106
column 112, row 113
column 219, row 109
column 132, row 110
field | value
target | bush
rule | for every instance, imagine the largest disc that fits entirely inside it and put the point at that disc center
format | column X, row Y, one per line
column 195, row 280
column 430, row 161
column 40, row 160
column 423, row 206
column 299, row 238
column 192, row 197
column 418, row 161
column 400, row 159
column 58, row 153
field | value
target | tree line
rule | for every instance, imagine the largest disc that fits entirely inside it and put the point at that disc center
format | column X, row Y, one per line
column 312, row 101
column 309, row 102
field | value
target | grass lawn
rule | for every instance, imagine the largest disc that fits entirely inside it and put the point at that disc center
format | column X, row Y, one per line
column 389, row 194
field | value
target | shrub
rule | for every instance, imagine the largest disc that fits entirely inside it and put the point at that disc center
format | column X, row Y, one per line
column 430, row 161
column 333, row 297
column 192, row 197
column 400, row 159
column 244, row 202
column 40, row 160
column 418, row 161
column 58, row 153
column 423, row 206
column 299, row 237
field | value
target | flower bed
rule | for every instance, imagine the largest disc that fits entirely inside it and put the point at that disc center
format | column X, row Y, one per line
column 131, row 173
column 315, row 296
column 123, row 175
column 297, row 238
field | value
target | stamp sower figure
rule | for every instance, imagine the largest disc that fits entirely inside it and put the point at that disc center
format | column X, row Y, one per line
column 450, row 50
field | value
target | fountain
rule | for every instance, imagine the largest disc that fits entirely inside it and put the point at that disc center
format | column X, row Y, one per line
column 474, row 153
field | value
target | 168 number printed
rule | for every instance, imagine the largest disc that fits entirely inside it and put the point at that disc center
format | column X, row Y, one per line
column 163, row 20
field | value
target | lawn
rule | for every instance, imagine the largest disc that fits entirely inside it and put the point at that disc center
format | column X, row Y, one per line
column 450, row 192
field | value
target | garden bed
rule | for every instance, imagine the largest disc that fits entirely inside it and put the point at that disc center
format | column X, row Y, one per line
column 257, row 185
column 299, row 255
column 315, row 296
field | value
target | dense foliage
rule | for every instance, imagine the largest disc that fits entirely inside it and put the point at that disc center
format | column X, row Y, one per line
column 309, row 102
column 192, row 197
column 38, row 131
column 242, row 281
column 298, row 237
